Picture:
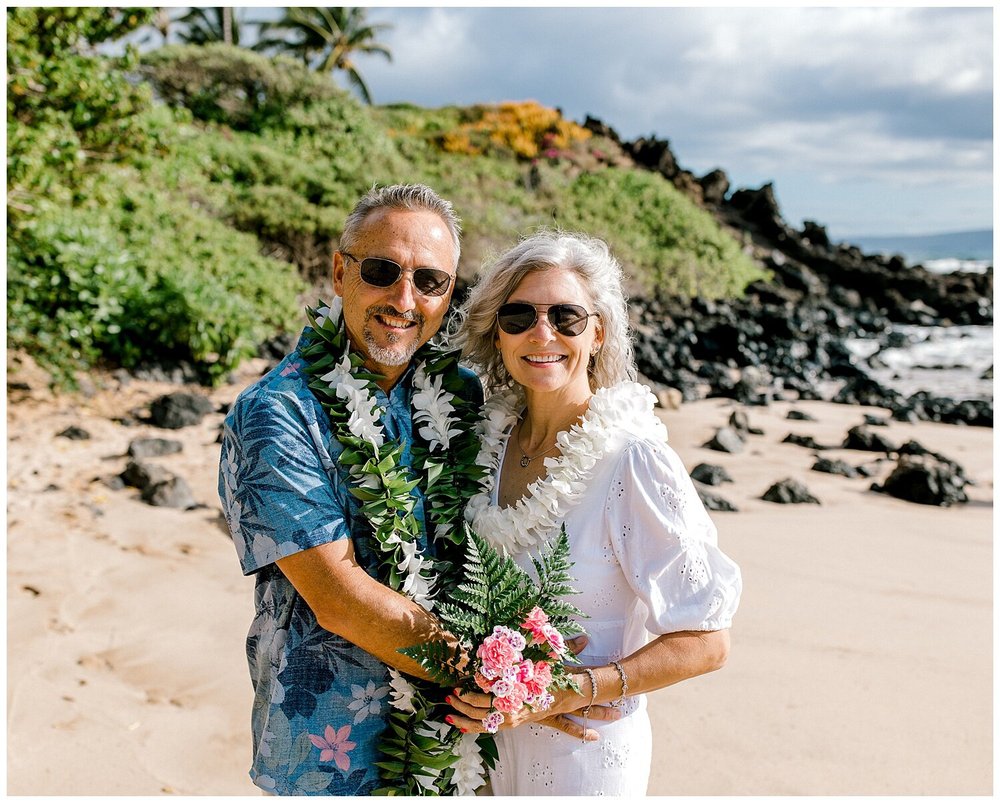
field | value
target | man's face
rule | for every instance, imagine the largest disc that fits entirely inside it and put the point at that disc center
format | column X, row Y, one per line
column 388, row 324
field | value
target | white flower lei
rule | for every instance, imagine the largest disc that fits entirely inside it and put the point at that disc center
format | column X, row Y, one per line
column 411, row 572
column 539, row 514
column 432, row 404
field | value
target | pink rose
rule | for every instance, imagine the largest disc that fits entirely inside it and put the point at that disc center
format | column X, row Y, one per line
column 513, row 701
column 525, row 670
column 555, row 640
column 497, row 654
column 543, row 675
column 535, row 619
column 534, row 624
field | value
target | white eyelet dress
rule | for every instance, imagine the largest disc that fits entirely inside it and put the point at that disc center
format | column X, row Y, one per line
column 646, row 562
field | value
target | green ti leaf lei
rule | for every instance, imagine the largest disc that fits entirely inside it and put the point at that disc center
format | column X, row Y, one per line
column 422, row 754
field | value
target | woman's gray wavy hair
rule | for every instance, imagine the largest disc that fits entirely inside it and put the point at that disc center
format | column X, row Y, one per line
column 412, row 197
column 475, row 326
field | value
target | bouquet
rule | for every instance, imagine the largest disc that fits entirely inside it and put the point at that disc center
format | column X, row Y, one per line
column 512, row 630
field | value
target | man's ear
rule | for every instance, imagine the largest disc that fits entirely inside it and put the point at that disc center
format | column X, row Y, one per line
column 338, row 273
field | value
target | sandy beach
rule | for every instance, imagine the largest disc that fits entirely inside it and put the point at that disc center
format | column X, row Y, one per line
column 861, row 659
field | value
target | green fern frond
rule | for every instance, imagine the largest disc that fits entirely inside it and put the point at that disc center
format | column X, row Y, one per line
column 437, row 659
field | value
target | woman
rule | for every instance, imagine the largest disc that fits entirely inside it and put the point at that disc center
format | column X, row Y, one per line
column 572, row 439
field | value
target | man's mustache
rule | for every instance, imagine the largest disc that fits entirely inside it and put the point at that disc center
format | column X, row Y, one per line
column 411, row 315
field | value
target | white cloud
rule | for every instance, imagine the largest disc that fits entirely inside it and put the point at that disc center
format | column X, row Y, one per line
column 894, row 96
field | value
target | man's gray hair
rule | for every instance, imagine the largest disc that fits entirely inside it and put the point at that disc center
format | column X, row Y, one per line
column 601, row 274
column 413, row 197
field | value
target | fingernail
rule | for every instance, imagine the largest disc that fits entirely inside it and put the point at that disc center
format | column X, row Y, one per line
column 447, row 699
column 463, row 730
column 448, row 719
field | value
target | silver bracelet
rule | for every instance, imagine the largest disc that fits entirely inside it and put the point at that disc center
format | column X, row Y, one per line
column 593, row 692
column 621, row 671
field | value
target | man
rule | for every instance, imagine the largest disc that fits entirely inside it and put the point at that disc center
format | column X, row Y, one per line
column 325, row 629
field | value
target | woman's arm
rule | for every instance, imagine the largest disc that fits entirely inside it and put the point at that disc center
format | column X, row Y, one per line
column 669, row 659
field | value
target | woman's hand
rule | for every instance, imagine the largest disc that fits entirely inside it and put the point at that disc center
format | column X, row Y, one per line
column 473, row 707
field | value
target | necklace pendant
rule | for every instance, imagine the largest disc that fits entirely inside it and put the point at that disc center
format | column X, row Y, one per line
column 525, row 460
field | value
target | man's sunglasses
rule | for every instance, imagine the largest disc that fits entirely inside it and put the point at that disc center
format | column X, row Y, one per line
column 516, row 317
column 380, row 272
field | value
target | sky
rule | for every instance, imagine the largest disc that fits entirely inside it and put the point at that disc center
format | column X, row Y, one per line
column 870, row 121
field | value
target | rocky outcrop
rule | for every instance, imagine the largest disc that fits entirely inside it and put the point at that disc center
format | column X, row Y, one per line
column 790, row 329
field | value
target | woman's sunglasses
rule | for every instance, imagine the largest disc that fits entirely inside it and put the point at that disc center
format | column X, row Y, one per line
column 380, row 272
column 516, row 317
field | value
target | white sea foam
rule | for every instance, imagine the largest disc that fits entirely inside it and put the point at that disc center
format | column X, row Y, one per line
column 958, row 265
column 943, row 360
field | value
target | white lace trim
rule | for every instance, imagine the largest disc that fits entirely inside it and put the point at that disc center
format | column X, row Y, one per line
column 535, row 518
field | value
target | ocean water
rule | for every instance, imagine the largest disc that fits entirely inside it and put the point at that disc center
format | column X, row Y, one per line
column 943, row 360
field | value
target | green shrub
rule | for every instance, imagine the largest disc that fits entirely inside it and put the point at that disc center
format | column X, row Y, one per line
column 69, row 112
column 670, row 245
column 147, row 280
column 234, row 86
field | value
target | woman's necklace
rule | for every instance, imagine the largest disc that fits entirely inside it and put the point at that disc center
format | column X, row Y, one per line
column 525, row 461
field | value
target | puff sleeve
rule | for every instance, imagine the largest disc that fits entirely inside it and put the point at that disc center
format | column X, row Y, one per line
column 667, row 545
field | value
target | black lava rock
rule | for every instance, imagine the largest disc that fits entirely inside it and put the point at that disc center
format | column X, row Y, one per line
column 708, row 474
column 74, row 433
column 789, row 492
column 804, row 440
column 835, row 467
column 714, row 502
column 926, row 481
column 876, row 420
column 726, row 439
column 143, row 475
column 172, row 492
column 863, row 439
column 740, row 421
column 177, row 410
column 153, row 447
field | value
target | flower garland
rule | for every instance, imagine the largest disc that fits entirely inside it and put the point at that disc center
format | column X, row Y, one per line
column 533, row 520
column 423, row 755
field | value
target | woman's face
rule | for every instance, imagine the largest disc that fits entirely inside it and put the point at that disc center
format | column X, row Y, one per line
column 542, row 359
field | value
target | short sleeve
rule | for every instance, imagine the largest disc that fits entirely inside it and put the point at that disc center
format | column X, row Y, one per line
column 277, row 483
column 667, row 545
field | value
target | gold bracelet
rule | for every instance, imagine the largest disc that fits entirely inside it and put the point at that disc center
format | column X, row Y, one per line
column 621, row 671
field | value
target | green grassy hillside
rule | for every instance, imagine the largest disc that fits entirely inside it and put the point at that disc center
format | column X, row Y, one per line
column 183, row 207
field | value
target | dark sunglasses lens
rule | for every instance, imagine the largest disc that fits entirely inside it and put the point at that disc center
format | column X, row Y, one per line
column 568, row 319
column 380, row 272
column 516, row 318
column 431, row 281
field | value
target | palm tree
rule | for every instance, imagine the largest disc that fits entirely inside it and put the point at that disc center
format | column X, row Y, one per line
column 326, row 39
column 203, row 25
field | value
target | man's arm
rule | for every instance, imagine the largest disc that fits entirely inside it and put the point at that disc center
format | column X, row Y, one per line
column 347, row 601
column 352, row 604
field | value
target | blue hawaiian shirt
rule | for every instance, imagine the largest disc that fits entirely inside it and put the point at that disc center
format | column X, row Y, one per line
column 321, row 703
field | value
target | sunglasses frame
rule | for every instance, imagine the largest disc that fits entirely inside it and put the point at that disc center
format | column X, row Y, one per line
column 412, row 271
column 548, row 316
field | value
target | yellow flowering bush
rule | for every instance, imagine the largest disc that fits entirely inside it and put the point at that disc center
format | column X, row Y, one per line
column 525, row 128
